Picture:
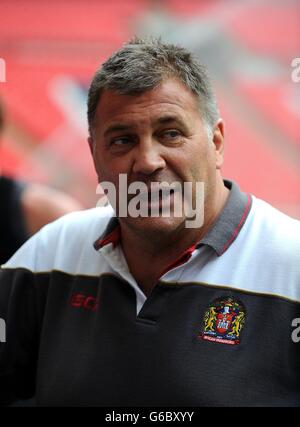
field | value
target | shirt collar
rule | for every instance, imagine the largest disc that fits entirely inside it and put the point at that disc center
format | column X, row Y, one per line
column 220, row 236
column 112, row 234
column 230, row 221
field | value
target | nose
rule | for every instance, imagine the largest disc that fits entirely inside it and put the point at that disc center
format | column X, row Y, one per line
column 148, row 158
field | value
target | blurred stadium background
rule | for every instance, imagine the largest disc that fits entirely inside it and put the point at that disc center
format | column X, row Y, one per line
column 52, row 48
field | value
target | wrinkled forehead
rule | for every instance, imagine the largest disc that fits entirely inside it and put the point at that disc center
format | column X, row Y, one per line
column 169, row 98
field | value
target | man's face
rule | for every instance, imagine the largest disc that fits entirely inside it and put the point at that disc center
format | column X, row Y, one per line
column 158, row 136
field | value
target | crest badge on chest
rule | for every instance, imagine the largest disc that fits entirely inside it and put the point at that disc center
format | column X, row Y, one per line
column 223, row 321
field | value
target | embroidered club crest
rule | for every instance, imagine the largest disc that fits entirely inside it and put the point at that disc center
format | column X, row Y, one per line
column 224, row 321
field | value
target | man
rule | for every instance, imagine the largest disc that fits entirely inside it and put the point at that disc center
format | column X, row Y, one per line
column 25, row 208
column 149, row 310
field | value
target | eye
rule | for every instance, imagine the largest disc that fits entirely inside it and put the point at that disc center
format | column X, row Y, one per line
column 171, row 134
column 120, row 141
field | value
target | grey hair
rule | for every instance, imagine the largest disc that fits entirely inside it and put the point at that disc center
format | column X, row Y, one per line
column 142, row 64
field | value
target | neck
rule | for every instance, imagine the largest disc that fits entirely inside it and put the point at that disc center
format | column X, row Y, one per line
column 148, row 253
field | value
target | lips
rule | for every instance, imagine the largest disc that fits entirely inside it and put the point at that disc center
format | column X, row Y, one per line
column 156, row 203
column 156, row 191
column 154, row 196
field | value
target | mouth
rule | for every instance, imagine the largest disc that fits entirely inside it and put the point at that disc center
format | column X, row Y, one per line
column 156, row 202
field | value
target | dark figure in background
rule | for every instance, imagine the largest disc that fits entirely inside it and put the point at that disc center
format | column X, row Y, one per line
column 25, row 208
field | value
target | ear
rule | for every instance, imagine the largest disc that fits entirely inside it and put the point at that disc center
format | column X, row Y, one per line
column 218, row 140
column 91, row 145
column 92, row 150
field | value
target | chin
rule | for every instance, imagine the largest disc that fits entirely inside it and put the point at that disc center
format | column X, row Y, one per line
column 153, row 225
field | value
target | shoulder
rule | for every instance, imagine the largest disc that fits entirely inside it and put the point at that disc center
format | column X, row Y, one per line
column 79, row 226
column 80, row 222
column 265, row 256
column 271, row 235
column 62, row 241
column 274, row 224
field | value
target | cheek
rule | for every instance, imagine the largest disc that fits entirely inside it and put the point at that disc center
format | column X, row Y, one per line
column 101, row 162
column 199, row 160
column 204, row 167
column 113, row 165
column 110, row 172
column 103, row 172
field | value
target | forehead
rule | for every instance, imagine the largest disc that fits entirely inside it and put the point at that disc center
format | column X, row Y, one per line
column 170, row 97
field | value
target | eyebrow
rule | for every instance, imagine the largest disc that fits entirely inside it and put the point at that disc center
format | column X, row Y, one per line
column 171, row 119
column 118, row 127
column 168, row 119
